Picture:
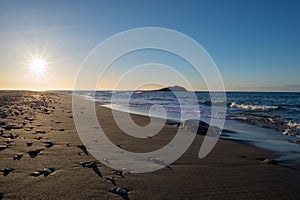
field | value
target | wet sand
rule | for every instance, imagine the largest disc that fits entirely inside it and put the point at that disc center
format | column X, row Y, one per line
column 42, row 157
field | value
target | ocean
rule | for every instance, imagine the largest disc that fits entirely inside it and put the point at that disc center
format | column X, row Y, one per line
column 266, row 119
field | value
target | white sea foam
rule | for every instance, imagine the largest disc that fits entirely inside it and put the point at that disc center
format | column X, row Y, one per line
column 251, row 107
column 293, row 125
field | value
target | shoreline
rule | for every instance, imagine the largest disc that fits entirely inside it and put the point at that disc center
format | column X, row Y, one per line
column 231, row 171
column 272, row 140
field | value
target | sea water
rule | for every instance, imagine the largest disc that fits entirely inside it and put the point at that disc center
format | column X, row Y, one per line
column 266, row 119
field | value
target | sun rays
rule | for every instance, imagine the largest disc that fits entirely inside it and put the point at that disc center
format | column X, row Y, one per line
column 37, row 66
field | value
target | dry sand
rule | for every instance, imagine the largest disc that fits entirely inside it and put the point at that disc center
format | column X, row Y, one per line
column 231, row 171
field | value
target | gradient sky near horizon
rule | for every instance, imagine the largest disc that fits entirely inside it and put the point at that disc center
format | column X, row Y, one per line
column 254, row 43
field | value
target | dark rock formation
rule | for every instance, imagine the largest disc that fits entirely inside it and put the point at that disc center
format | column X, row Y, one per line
column 172, row 89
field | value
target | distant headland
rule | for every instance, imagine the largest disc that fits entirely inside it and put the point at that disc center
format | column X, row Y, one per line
column 172, row 89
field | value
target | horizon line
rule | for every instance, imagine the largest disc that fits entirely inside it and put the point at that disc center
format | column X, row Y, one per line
column 146, row 90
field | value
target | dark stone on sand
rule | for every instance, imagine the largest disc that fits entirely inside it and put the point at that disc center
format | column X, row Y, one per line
column 49, row 144
column 123, row 192
column 34, row 153
column 6, row 171
column 36, row 174
column 93, row 166
column 18, row 156
column 30, row 119
column 271, row 161
column 40, row 131
column 8, row 127
column 12, row 126
column 38, row 138
column 3, row 115
column 29, row 144
column 118, row 172
column 88, row 164
column 200, row 127
column 11, row 136
column 8, row 141
column 48, row 171
column 3, row 147
column 1, row 195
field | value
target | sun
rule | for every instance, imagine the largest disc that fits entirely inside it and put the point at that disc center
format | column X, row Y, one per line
column 37, row 66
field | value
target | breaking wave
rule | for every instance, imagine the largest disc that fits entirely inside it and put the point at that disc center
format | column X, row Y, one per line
column 252, row 107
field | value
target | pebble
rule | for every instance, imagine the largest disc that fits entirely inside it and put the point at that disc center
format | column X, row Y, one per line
column 36, row 174
column 33, row 154
column 2, row 147
column 40, row 131
column 91, row 164
column 48, row 171
column 6, row 171
column 29, row 118
column 38, row 138
column 118, row 172
column 271, row 161
column 3, row 115
column 18, row 156
column 13, row 136
column 49, row 144
column 121, row 191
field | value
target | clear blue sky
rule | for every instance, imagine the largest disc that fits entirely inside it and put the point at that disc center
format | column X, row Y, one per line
column 255, row 44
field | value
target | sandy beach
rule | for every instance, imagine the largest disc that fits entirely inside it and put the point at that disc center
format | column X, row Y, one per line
column 42, row 157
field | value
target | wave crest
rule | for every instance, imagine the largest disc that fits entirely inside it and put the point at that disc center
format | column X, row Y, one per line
column 252, row 107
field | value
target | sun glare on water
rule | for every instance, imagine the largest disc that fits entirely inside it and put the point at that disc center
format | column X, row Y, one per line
column 37, row 66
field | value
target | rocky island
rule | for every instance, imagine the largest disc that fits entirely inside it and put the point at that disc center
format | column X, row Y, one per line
column 172, row 89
